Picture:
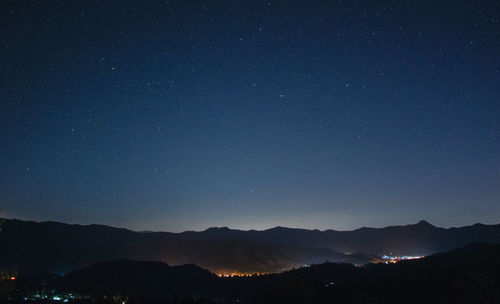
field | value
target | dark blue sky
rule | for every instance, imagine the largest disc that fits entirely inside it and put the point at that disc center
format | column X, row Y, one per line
column 176, row 115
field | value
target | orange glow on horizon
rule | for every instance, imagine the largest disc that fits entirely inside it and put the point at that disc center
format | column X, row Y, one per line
column 241, row 275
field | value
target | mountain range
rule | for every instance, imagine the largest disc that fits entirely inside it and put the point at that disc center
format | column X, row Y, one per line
column 34, row 248
column 469, row 274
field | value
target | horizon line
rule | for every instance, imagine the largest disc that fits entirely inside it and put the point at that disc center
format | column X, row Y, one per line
column 420, row 222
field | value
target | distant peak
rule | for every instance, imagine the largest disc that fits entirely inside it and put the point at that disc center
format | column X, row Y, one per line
column 278, row 228
column 424, row 223
column 225, row 228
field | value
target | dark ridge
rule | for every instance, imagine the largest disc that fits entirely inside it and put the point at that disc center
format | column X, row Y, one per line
column 218, row 229
column 68, row 247
column 469, row 274
column 424, row 223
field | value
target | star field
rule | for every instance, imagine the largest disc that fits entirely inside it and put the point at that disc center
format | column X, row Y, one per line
column 179, row 115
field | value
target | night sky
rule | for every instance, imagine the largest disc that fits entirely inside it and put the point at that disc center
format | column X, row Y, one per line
column 182, row 115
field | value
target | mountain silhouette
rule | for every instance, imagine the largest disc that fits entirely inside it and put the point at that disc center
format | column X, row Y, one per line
column 137, row 278
column 50, row 247
column 470, row 274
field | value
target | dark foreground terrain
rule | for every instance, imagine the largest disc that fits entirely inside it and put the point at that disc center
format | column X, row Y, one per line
column 470, row 274
column 50, row 247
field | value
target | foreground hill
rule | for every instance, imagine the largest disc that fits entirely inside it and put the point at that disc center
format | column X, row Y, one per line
column 137, row 278
column 51, row 247
column 467, row 275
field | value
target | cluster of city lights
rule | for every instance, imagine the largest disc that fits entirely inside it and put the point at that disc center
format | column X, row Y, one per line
column 242, row 274
column 63, row 298
column 394, row 259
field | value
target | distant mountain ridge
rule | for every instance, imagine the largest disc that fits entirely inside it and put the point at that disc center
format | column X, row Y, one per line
column 52, row 247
